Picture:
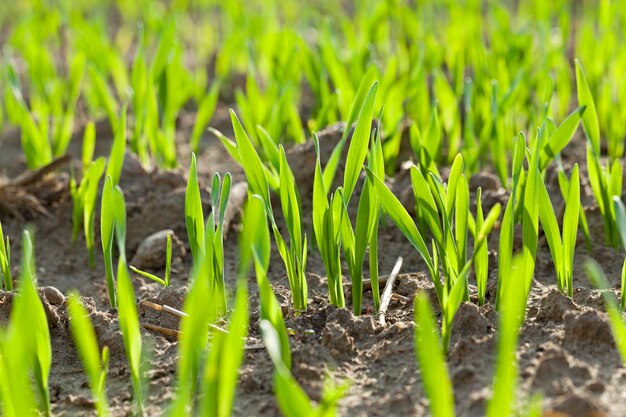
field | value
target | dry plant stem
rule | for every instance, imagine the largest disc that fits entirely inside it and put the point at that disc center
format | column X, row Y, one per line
column 177, row 313
column 166, row 331
column 15, row 195
column 31, row 177
column 386, row 298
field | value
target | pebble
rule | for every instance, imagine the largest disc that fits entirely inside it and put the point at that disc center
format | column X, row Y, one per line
column 53, row 295
column 152, row 250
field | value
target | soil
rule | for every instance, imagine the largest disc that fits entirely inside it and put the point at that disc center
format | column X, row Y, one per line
column 566, row 350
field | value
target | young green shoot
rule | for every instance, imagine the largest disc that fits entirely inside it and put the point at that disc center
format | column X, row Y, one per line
column 620, row 216
column 221, row 371
column 84, row 198
column 616, row 319
column 131, row 333
column 431, row 359
column 259, row 176
column 562, row 248
column 206, row 108
column 95, row 362
column 207, row 240
column 116, row 158
column 107, row 232
column 451, row 288
column 5, row 262
column 512, row 313
column 605, row 180
column 194, row 217
column 25, row 348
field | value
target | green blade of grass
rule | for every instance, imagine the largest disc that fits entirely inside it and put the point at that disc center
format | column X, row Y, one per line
column 403, row 221
column 194, row 217
column 250, row 161
column 359, row 143
column 570, row 227
column 432, row 361
column 86, row 343
column 131, row 333
column 107, row 227
column 206, row 108
column 29, row 313
column 616, row 319
column 590, row 117
column 116, row 158
column 560, row 137
column 511, row 317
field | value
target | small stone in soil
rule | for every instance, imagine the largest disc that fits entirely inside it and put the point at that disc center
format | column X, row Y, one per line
column 53, row 295
column 152, row 250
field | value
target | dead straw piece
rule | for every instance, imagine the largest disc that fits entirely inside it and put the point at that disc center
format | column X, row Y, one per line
column 386, row 298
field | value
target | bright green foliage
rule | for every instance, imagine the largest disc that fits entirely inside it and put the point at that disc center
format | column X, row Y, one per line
column 560, row 138
column 17, row 397
column 427, row 147
column 214, row 240
column 112, row 225
column 29, row 313
column 530, row 213
column 377, row 166
column 327, row 218
column 34, row 133
column 194, row 334
column 206, row 108
column 94, row 362
column 524, row 196
column 131, row 333
column 89, row 144
column 562, row 248
column 616, row 318
column 194, row 217
column 225, row 356
column 505, row 250
column 364, row 89
column 84, row 198
column 116, row 158
column 443, row 211
column 101, row 95
column 564, row 185
column 259, row 241
column 280, row 176
column 25, row 346
column 107, row 232
column 255, row 171
column 359, row 143
column 5, row 262
column 165, row 281
column 294, row 255
column 512, row 313
column 620, row 214
column 431, row 360
column 207, row 240
column 481, row 252
column 119, row 208
column 605, row 180
column 355, row 240
column 331, row 222
column 292, row 400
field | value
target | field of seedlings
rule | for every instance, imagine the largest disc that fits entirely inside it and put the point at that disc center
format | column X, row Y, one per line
column 319, row 208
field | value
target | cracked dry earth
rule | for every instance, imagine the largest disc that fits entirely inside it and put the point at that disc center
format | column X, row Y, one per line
column 566, row 350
